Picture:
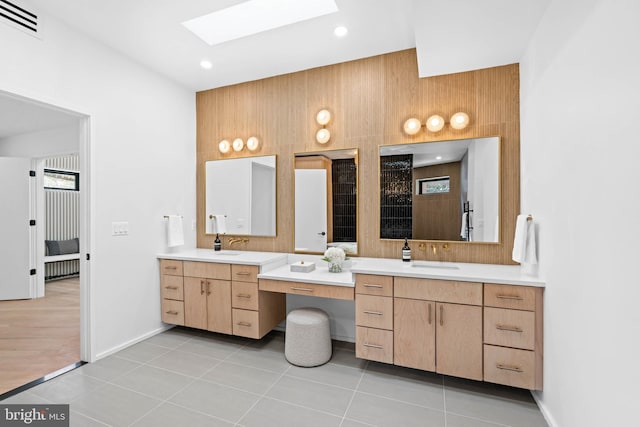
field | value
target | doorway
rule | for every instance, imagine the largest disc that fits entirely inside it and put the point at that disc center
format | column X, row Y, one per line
column 46, row 330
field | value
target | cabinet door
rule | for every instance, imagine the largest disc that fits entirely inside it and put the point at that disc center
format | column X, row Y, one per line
column 219, row 306
column 414, row 334
column 459, row 340
column 195, row 302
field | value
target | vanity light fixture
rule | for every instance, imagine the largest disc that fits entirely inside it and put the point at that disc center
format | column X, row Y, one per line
column 224, row 146
column 238, row 144
column 435, row 123
column 412, row 126
column 253, row 143
column 323, row 118
column 459, row 120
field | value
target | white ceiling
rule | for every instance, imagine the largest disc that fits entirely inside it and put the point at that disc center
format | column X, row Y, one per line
column 450, row 36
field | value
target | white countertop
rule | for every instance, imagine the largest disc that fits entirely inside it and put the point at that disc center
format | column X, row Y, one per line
column 467, row 272
column 227, row 256
column 319, row 276
column 275, row 266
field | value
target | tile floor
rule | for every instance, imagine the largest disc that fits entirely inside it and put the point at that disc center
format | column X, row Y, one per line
column 185, row 377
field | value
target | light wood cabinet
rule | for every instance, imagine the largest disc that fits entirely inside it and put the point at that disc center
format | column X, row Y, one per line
column 218, row 297
column 171, row 292
column 513, row 335
column 374, row 317
column 459, row 340
column 207, row 304
column 414, row 334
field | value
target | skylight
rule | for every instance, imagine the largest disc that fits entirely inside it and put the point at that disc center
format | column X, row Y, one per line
column 255, row 16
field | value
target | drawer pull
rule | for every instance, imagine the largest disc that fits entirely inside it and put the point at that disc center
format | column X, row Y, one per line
column 247, row 324
column 375, row 313
column 509, row 368
column 242, row 273
column 171, row 267
column 368, row 285
column 378, row 347
column 302, row 289
column 173, row 288
column 208, row 287
column 243, row 296
column 201, row 287
column 430, row 314
column 511, row 297
column 173, row 313
column 508, row 328
column 441, row 315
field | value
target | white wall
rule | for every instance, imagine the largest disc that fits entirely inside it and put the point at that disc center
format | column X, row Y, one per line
column 48, row 143
column 142, row 164
column 580, row 81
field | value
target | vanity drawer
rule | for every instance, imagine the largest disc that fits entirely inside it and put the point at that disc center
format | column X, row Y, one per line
column 210, row 270
column 326, row 291
column 509, row 366
column 173, row 312
column 509, row 328
column 244, row 295
column 374, row 311
column 244, row 273
column 172, row 287
column 246, row 323
column 510, row 296
column 171, row 267
column 370, row 284
column 438, row 290
column 374, row 344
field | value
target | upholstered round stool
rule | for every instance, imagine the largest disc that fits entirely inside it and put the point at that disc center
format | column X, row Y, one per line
column 307, row 339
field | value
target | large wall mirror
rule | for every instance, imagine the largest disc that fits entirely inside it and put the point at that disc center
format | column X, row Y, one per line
column 241, row 196
column 446, row 190
column 326, row 196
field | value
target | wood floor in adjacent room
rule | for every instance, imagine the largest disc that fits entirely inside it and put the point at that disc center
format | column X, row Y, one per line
column 39, row 336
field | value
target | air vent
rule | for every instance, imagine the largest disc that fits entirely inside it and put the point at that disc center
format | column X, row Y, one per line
column 19, row 17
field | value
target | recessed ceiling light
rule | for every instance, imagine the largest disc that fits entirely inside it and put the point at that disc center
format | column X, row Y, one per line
column 207, row 65
column 438, row 157
column 340, row 31
column 255, row 16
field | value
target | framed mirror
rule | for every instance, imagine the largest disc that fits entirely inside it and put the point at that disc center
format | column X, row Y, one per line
column 445, row 190
column 326, row 201
column 240, row 196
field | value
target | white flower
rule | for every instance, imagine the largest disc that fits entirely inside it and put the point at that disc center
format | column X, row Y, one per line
column 334, row 255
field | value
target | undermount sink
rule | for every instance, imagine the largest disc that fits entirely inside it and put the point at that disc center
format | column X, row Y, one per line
column 224, row 253
column 436, row 265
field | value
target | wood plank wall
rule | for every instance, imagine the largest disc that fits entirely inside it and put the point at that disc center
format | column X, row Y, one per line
column 370, row 99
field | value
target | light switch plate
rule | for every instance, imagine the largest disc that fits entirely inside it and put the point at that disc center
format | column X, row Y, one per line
column 120, row 228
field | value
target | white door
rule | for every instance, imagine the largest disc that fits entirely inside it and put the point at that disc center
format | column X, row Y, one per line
column 311, row 210
column 15, row 231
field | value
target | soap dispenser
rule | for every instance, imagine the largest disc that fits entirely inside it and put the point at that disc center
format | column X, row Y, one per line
column 406, row 251
column 217, row 244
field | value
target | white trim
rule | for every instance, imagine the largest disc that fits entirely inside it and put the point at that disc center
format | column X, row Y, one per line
column 129, row 343
column 543, row 409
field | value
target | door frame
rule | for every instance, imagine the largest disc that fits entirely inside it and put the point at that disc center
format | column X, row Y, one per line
column 86, row 212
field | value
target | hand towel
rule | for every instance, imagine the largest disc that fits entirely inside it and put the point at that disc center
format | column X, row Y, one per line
column 175, row 231
column 464, row 231
column 220, row 224
column 524, row 242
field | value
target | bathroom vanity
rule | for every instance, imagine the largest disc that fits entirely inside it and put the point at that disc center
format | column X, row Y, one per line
column 476, row 321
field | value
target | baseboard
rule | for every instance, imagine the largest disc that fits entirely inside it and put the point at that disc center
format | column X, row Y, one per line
column 544, row 410
column 129, row 343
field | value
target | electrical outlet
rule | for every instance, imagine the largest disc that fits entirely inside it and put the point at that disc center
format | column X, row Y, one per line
column 119, row 228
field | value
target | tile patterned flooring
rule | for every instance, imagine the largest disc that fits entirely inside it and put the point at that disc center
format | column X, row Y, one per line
column 185, row 377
